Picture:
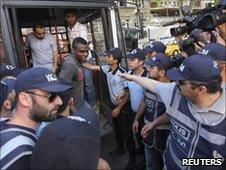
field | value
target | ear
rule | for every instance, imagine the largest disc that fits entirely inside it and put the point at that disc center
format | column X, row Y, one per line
column 24, row 99
column 71, row 101
column 202, row 89
column 141, row 62
column 7, row 104
column 162, row 73
column 116, row 60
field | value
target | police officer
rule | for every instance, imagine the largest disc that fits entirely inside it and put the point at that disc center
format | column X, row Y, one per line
column 119, row 95
column 154, row 48
column 36, row 101
column 195, row 104
column 154, row 107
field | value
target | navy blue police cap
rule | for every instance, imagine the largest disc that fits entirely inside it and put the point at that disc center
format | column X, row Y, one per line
column 136, row 53
column 156, row 46
column 161, row 60
column 197, row 67
column 8, row 70
column 39, row 78
column 215, row 50
column 116, row 52
column 10, row 82
column 67, row 143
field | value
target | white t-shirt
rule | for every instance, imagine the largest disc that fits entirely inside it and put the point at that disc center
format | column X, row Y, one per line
column 79, row 30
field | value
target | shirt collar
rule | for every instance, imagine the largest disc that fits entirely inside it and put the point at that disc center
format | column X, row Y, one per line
column 144, row 73
column 76, row 25
column 114, row 72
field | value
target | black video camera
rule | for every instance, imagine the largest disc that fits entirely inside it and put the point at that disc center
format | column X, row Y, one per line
column 187, row 45
column 206, row 19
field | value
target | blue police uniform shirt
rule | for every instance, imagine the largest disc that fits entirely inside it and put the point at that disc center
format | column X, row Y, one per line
column 136, row 92
column 17, row 143
column 116, row 84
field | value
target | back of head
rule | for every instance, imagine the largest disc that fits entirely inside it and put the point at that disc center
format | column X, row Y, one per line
column 3, row 93
column 65, row 96
column 67, row 143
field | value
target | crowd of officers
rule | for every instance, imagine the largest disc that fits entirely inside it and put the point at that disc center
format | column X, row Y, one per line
column 173, row 113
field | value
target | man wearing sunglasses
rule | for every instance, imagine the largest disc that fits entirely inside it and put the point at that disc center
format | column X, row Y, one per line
column 195, row 105
column 36, row 101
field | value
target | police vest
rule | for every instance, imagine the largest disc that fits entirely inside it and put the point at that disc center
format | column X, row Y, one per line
column 189, row 138
column 15, row 143
column 154, row 107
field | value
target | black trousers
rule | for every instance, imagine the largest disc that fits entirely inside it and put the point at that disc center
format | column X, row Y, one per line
column 123, row 130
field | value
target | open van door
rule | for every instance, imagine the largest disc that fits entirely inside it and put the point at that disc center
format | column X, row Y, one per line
column 100, row 16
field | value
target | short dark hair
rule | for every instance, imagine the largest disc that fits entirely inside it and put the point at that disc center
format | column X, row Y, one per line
column 68, row 11
column 212, row 86
column 79, row 40
column 3, row 95
column 38, row 25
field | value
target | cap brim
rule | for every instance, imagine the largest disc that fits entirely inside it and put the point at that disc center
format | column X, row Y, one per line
column 148, row 50
column 10, row 84
column 175, row 75
column 131, row 56
column 150, row 62
column 56, row 88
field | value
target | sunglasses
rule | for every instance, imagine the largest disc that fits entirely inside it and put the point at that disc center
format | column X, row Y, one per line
column 50, row 97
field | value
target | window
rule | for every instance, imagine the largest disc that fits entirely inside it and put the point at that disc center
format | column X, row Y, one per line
column 2, row 49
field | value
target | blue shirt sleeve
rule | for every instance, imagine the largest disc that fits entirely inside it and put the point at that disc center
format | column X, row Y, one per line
column 105, row 68
column 165, row 91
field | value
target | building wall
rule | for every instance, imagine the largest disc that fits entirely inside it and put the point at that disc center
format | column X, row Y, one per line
column 155, row 12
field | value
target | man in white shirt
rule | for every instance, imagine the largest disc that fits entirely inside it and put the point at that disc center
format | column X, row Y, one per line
column 75, row 28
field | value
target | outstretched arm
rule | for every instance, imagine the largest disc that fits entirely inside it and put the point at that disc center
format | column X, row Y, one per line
column 91, row 67
column 147, row 83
